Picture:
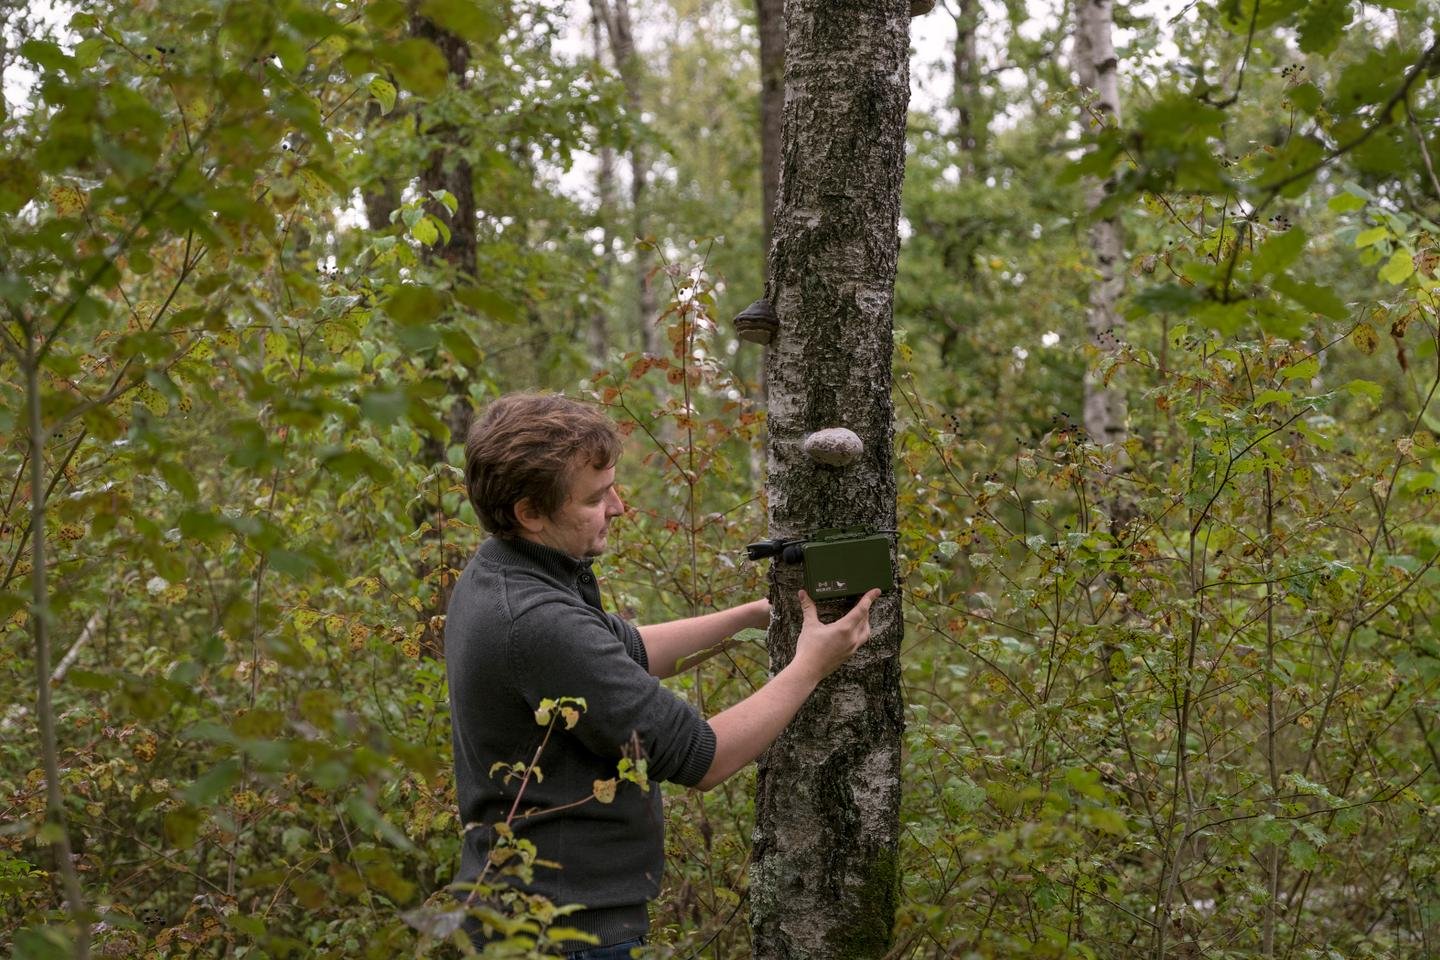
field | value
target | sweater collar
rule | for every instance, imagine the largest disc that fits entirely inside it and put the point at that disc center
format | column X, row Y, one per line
column 536, row 556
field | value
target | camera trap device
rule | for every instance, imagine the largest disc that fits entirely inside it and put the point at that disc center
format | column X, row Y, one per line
column 838, row 563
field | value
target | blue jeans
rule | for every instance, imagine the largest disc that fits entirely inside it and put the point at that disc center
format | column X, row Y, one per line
column 615, row 951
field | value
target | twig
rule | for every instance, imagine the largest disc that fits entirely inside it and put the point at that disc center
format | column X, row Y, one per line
column 1424, row 149
column 73, row 654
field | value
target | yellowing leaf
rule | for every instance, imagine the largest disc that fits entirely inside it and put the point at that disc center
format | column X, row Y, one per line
column 312, row 186
column 605, row 790
column 1365, row 339
column 68, row 200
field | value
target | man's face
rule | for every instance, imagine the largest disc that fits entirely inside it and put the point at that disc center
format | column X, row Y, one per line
column 579, row 527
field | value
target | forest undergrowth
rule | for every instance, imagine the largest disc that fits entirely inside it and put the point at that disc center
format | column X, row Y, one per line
column 1172, row 697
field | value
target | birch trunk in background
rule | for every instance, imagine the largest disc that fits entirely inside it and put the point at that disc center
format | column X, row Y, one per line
column 1096, row 71
column 825, row 880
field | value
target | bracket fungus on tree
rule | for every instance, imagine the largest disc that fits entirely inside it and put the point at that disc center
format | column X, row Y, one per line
column 757, row 322
column 834, row 447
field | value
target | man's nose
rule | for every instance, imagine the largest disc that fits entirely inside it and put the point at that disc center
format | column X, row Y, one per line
column 617, row 506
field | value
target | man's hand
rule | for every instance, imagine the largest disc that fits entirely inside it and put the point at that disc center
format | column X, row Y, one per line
column 746, row 729
column 759, row 613
column 822, row 647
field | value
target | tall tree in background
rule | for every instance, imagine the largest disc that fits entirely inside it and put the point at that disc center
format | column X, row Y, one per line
column 825, row 876
column 616, row 16
column 1096, row 71
column 771, row 14
column 447, row 166
column 599, row 335
column 972, row 120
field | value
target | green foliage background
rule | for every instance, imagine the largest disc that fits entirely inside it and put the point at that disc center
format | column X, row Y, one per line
column 1204, row 726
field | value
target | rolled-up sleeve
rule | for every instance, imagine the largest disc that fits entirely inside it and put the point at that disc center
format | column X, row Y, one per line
column 567, row 650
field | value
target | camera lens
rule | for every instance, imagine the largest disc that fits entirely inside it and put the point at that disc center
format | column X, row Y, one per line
column 763, row 548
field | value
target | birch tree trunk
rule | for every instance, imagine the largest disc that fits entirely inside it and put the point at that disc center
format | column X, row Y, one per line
column 824, row 881
column 1095, row 69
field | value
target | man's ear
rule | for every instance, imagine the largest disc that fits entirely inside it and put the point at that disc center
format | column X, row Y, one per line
column 529, row 518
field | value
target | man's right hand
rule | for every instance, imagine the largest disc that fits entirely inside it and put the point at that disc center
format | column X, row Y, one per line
column 822, row 647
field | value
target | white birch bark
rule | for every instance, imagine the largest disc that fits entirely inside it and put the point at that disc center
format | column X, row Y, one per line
column 1096, row 69
column 824, row 881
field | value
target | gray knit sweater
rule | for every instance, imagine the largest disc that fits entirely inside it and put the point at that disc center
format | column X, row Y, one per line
column 525, row 623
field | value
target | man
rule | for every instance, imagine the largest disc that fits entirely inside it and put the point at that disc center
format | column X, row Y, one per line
column 525, row 624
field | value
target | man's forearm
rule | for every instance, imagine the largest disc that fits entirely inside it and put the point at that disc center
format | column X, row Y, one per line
column 668, row 644
column 744, row 731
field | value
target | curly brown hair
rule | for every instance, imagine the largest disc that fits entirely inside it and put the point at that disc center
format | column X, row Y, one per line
column 526, row 446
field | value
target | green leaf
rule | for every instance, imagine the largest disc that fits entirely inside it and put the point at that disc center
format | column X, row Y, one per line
column 212, row 783
column 412, row 304
column 490, row 303
column 180, row 479
column 384, row 406
column 1301, row 370
column 1399, row 268
column 418, row 65
column 293, row 563
column 1278, row 251
column 1365, row 388
column 202, row 525
column 369, row 818
column 1301, row 153
column 11, row 602
column 447, row 199
column 1368, row 238
column 87, row 52
column 352, row 463
column 1162, row 298
column 182, row 826
column 1306, row 97
column 42, row 943
column 1224, row 317
column 425, row 231
column 384, row 93
column 1303, row 854
column 1313, row 297
column 1323, row 24
column 461, row 346
column 44, row 54
column 250, row 926
column 89, row 680
column 1346, row 202
column 1278, row 397
column 464, row 18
